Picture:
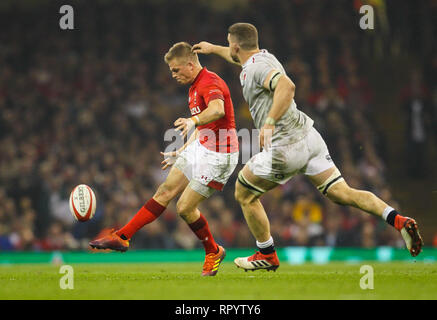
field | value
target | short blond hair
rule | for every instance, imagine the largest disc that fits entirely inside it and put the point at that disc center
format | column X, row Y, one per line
column 181, row 50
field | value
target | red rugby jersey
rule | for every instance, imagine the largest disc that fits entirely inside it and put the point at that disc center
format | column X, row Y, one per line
column 219, row 135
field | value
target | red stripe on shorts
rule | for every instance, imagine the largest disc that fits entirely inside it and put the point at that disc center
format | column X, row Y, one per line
column 216, row 185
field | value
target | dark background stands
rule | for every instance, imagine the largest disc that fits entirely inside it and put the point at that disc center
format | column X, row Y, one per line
column 91, row 105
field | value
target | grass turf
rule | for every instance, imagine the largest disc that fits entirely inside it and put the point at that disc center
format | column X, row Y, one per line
column 182, row 281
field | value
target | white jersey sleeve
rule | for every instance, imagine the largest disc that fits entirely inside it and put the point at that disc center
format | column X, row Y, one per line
column 260, row 73
column 294, row 124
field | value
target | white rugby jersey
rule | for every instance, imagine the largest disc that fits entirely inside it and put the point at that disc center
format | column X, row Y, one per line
column 294, row 124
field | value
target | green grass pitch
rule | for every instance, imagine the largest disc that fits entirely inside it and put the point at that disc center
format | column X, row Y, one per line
column 182, row 281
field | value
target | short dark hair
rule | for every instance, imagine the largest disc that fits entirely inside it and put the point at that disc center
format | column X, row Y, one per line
column 245, row 35
column 181, row 50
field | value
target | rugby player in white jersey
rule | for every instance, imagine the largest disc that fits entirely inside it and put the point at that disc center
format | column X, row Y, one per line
column 290, row 146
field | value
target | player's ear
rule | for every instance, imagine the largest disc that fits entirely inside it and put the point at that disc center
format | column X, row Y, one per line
column 237, row 48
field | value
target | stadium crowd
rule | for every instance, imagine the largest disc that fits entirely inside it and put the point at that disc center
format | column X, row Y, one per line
column 92, row 105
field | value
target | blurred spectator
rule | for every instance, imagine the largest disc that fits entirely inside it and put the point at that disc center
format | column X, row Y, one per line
column 416, row 100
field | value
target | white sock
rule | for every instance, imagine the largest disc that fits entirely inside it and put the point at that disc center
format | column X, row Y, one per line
column 386, row 212
column 265, row 244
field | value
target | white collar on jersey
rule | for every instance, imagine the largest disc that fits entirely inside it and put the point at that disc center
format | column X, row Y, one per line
column 252, row 57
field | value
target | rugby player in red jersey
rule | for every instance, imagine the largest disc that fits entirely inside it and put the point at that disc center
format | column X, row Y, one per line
column 201, row 166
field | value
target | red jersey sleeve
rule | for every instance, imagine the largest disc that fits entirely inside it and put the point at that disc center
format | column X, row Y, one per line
column 211, row 92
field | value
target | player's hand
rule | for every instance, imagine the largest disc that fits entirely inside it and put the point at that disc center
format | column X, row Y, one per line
column 184, row 125
column 203, row 47
column 169, row 159
column 265, row 136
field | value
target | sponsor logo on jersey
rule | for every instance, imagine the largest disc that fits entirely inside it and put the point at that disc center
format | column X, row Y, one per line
column 195, row 110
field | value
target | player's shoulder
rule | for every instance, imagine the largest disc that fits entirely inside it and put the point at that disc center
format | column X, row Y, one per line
column 259, row 60
column 262, row 55
column 211, row 78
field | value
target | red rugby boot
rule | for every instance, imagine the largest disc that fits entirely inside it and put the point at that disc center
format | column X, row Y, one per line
column 410, row 232
column 212, row 262
column 111, row 241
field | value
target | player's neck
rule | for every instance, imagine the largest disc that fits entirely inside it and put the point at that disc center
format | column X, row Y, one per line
column 196, row 72
column 245, row 55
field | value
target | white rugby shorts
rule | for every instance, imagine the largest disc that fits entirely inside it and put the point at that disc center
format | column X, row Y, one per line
column 279, row 164
column 206, row 170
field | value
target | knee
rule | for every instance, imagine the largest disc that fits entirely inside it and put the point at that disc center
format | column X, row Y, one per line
column 164, row 193
column 183, row 208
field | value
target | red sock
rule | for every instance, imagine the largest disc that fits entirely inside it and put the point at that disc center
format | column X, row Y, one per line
column 201, row 229
column 149, row 212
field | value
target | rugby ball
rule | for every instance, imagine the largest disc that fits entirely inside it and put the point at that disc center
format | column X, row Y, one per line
column 82, row 203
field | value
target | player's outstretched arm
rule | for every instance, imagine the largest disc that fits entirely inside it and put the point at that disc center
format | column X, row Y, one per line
column 209, row 48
